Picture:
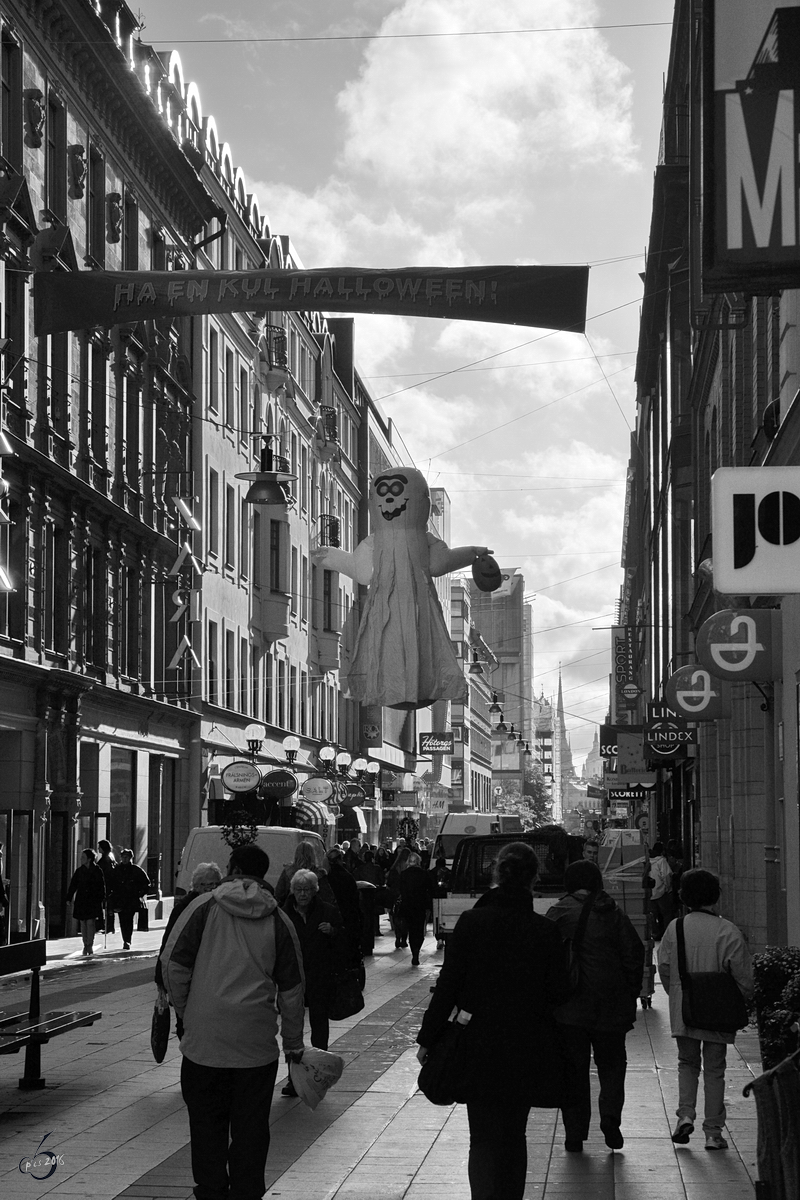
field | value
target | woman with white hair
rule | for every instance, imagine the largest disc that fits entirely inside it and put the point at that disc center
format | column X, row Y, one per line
column 319, row 931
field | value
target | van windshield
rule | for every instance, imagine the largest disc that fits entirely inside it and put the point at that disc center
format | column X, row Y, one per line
column 446, row 844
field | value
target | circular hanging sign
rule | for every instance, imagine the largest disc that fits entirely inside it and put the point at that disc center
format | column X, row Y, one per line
column 241, row 777
column 350, row 794
column 317, row 789
column 279, row 784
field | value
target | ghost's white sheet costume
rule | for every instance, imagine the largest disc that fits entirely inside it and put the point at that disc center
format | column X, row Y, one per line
column 403, row 656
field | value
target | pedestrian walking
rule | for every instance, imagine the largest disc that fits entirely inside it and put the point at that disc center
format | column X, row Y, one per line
column 416, row 897
column 205, row 877
column 319, row 931
column 345, row 891
column 231, row 964
column 661, row 901
column 107, row 863
column 504, row 969
column 596, row 1018
column 369, row 878
column 87, row 891
column 130, row 884
column 393, row 883
column 713, row 944
column 304, row 860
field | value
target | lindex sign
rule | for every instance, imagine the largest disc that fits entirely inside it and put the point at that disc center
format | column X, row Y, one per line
column 665, row 732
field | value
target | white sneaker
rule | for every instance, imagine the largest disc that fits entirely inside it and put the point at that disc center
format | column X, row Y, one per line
column 715, row 1141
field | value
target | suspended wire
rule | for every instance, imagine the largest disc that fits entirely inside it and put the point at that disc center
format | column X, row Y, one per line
column 550, row 362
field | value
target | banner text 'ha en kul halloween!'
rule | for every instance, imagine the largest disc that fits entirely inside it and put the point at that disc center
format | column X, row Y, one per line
column 551, row 297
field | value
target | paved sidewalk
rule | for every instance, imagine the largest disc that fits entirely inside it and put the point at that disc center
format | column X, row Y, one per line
column 119, row 1124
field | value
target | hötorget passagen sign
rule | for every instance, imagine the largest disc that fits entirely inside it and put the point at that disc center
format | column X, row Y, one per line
column 437, row 743
column 547, row 297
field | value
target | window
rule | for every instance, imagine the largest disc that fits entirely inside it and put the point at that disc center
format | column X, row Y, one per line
column 244, row 537
column 281, row 714
column 244, row 691
column 268, row 687
column 294, row 588
column 293, row 698
column 56, row 157
column 327, row 601
column 275, row 580
column 133, row 419
column 213, row 663
column 314, row 600
column 98, row 396
column 95, row 206
column 244, row 398
column 213, row 370
column 230, row 391
column 213, row 512
column 58, row 382
column 130, row 232
column 230, row 526
column 258, row 558
column 255, row 683
column 304, row 478
column 11, row 100
column 132, row 620
column 303, row 701
column 230, row 669
column 55, row 588
column 303, row 587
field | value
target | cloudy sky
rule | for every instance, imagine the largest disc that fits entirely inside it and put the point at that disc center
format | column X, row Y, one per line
column 522, row 132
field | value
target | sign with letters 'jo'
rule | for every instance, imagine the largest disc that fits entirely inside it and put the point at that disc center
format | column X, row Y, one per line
column 741, row 644
column 755, row 525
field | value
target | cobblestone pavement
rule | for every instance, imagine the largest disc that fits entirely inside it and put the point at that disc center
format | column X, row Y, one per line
column 117, row 1120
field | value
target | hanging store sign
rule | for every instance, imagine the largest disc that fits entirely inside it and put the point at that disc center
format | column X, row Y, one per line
column 541, row 296
column 318, row 790
column 755, row 527
column 751, row 230
column 665, row 732
column 740, row 644
column 436, row 743
column 697, row 694
column 624, row 650
column 279, row 785
column 241, row 777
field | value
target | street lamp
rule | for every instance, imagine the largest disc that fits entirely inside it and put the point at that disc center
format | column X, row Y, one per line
column 475, row 667
column 254, row 735
column 494, row 707
column 326, row 756
column 291, row 745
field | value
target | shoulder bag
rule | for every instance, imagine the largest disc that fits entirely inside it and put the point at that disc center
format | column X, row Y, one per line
column 441, row 1076
column 573, row 960
column 711, row 999
column 346, row 998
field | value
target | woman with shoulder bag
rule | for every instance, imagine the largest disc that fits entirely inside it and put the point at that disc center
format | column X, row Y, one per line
column 597, row 1017
column 712, row 946
column 504, row 970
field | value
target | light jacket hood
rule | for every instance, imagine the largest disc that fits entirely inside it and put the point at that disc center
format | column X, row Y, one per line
column 244, row 896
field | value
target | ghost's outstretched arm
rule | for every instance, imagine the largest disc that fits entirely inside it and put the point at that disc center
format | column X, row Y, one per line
column 442, row 559
column 357, row 566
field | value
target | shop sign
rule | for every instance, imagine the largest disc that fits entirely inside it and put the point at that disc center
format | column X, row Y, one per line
column 437, row 743
column 241, row 777
column 751, row 240
column 755, row 525
column 625, row 685
column 697, row 694
column 742, row 644
column 318, row 790
column 279, row 785
column 666, row 731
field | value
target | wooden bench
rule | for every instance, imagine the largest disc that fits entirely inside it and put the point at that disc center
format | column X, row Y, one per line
column 32, row 1029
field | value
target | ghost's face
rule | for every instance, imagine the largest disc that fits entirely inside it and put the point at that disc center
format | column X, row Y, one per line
column 400, row 500
column 391, row 496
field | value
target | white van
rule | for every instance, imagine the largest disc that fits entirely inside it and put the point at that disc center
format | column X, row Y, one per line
column 456, row 826
column 206, row 844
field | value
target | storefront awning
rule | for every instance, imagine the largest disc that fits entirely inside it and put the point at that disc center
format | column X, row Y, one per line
column 309, row 814
column 356, row 821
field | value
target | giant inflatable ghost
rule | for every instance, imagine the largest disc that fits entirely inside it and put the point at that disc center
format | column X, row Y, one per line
column 403, row 656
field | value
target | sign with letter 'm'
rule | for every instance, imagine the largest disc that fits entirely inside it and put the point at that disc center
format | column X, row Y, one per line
column 751, row 232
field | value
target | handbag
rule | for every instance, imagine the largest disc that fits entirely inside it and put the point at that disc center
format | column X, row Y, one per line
column 346, row 998
column 143, row 919
column 711, row 999
column 159, row 1028
column 441, row 1076
column 573, row 958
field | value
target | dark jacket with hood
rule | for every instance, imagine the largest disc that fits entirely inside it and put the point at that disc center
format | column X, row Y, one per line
column 505, row 966
column 231, row 955
column 323, row 953
column 611, row 955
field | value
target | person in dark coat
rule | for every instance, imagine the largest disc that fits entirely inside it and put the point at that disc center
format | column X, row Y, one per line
column 130, row 885
column 304, row 860
column 393, row 883
column 319, row 932
column 87, row 890
column 416, row 897
column 505, row 968
column 597, row 1017
column 107, row 863
column 345, row 889
column 369, row 877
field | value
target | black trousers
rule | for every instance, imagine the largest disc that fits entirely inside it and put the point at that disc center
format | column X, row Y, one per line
column 319, row 1024
column 608, row 1047
column 416, row 921
column 229, row 1128
column 126, row 919
column 498, row 1150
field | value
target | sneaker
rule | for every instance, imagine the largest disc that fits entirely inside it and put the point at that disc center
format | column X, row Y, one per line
column 572, row 1146
column 126, row 945
column 715, row 1141
column 683, row 1131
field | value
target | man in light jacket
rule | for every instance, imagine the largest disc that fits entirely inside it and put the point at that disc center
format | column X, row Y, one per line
column 231, row 954
column 712, row 944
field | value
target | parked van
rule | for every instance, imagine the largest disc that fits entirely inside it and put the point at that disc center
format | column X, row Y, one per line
column 456, row 826
column 206, row 844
